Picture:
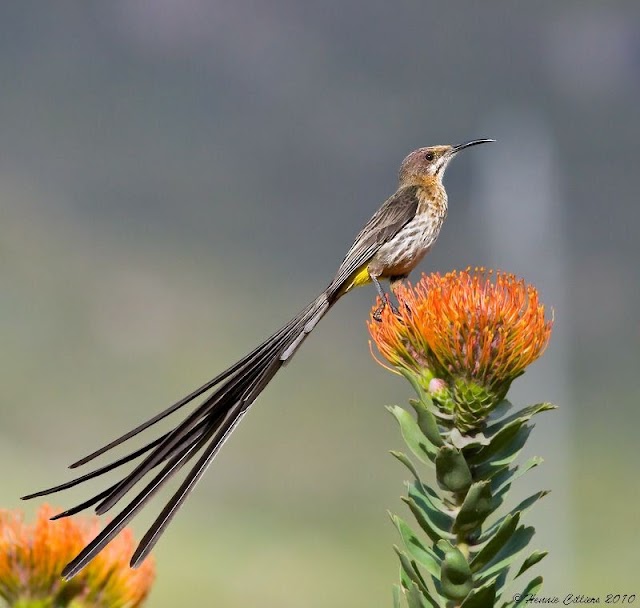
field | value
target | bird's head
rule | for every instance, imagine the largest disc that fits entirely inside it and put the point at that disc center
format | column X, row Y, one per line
column 425, row 165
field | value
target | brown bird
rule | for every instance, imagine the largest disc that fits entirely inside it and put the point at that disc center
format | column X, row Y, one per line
column 390, row 245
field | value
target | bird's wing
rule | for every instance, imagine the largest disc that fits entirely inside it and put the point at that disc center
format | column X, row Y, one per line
column 393, row 215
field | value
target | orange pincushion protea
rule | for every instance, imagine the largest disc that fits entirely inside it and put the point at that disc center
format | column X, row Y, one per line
column 478, row 330
column 32, row 557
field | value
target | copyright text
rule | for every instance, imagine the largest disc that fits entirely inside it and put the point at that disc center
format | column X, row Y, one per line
column 574, row 599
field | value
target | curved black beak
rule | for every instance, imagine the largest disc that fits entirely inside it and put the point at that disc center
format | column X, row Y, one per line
column 468, row 144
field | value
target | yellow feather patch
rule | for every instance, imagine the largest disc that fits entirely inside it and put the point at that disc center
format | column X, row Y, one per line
column 359, row 278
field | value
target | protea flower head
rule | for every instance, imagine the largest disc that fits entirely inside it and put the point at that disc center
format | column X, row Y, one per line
column 475, row 330
column 32, row 557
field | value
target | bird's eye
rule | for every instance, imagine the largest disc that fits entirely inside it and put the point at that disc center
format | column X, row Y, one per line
column 429, row 156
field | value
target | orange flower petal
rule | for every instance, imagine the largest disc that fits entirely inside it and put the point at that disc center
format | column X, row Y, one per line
column 479, row 325
column 32, row 557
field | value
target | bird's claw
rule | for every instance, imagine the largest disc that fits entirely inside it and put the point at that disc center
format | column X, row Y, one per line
column 377, row 313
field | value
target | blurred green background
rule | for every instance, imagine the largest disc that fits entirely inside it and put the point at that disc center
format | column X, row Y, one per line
column 179, row 177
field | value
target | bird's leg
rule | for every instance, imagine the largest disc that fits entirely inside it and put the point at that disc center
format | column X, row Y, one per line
column 395, row 282
column 377, row 313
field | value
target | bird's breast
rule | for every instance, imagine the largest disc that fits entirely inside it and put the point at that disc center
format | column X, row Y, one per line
column 401, row 254
column 409, row 246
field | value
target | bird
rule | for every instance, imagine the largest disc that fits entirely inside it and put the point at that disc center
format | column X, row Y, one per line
column 391, row 244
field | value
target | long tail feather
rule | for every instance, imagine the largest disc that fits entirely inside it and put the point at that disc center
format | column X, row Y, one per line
column 235, row 416
column 121, row 520
column 206, row 427
column 215, row 405
column 162, row 521
column 109, row 491
column 84, row 505
column 177, row 405
column 101, row 471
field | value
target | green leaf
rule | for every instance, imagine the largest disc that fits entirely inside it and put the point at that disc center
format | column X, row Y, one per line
column 434, row 509
column 419, row 386
column 424, row 555
column 418, row 486
column 527, row 503
column 417, row 577
column 507, row 476
column 412, row 435
column 407, row 574
column 499, row 580
column 410, row 576
column 427, row 422
column 426, row 592
column 431, row 596
column 482, row 597
column 503, row 432
column 413, row 380
column 455, row 575
column 518, row 541
column 434, row 498
column 534, row 586
column 404, row 459
column 397, row 596
column 504, row 457
column 499, row 411
column 466, row 442
column 477, row 505
column 525, row 413
column 415, row 599
column 496, row 442
column 493, row 547
column 434, row 533
column 532, row 560
column 452, row 471
column 531, row 589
